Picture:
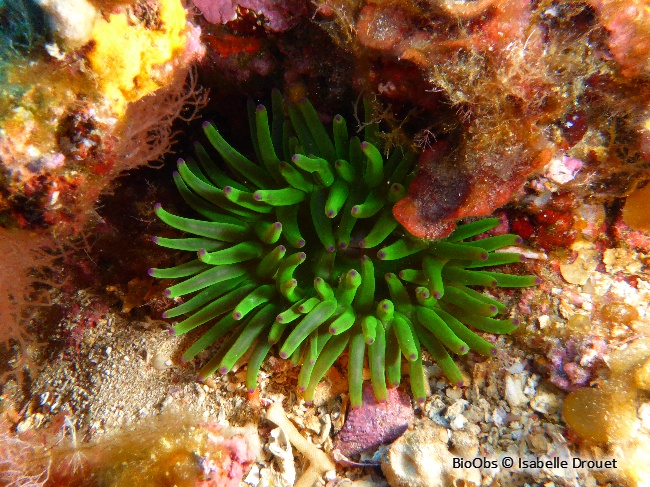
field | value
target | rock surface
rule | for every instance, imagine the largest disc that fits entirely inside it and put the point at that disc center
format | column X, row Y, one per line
column 375, row 423
column 421, row 458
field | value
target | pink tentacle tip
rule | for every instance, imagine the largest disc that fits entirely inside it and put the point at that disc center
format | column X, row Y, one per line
column 157, row 206
column 381, row 255
column 223, row 370
column 538, row 281
column 237, row 315
column 343, row 245
column 260, row 108
column 172, row 332
column 519, row 240
column 364, row 145
column 164, row 315
column 180, row 161
column 460, row 383
column 251, row 391
column 493, row 352
column 154, row 239
column 151, row 272
column 205, row 124
column 302, row 388
column 331, row 248
column 308, row 403
column 168, row 293
column 284, row 355
column 300, row 243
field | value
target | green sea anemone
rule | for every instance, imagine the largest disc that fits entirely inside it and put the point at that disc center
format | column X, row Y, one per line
column 289, row 250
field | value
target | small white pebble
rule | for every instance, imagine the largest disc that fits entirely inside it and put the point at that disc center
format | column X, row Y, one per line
column 544, row 321
column 159, row 362
column 253, row 477
column 459, row 422
column 517, row 368
column 25, row 425
column 514, row 392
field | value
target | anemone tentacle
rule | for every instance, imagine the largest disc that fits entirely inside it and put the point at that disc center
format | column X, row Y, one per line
column 290, row 247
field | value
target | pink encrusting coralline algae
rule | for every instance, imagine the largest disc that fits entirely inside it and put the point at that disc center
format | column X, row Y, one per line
column 375, row 423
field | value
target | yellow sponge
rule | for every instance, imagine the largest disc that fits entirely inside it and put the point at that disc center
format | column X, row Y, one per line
column 133, row 60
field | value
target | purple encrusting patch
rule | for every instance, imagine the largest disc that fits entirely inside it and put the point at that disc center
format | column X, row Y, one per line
column 374, row 423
